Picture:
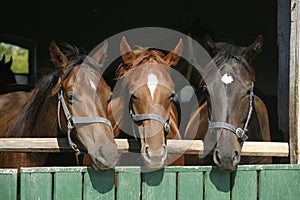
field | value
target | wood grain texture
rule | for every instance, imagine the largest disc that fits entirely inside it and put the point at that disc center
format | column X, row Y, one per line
column 280, row 149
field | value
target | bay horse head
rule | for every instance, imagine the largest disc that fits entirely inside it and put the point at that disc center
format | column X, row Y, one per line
column 6, row 74
column 147, row 89
column 83, row 96
column 230, row 99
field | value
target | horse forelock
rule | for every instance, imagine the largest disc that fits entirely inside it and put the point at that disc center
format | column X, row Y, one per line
column 229, row 52
column 143, row 56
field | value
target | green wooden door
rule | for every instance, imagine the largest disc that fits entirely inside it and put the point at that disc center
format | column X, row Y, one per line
column 8, row 184
column 264, row 182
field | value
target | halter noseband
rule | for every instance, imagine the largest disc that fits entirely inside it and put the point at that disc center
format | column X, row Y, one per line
column 149, row 116
column 72, row 120
column 239, row 132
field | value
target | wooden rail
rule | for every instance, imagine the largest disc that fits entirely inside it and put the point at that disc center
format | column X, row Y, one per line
column 278, row 149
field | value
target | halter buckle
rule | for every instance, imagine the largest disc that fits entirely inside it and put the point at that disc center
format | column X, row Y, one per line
column 240, row 133
column 167, row 127
column 70, row 123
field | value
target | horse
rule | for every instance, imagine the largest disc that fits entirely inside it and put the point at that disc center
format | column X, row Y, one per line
column 7, row 76
column 230, row 112
column 70, row 102
column 8, row 82
column 142, row 107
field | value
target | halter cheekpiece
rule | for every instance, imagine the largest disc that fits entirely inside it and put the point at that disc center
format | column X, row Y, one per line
column 239, row 132
column 73, row 120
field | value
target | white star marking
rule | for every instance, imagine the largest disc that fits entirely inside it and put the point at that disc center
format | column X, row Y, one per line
column 227, row 79
column 152, row 83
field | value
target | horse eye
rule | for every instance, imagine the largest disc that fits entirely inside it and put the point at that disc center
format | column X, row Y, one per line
column 133, row 97
column 172, row 96
column 70, row 97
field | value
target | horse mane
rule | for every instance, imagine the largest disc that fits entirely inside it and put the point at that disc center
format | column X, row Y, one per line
column 142, row 56
column 25, row 121
column 227, row 51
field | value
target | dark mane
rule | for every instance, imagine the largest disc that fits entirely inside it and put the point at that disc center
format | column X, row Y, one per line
column 44, row 89
column 27, row 116
column 76, row 56
column 227, row 52
column 143, row 55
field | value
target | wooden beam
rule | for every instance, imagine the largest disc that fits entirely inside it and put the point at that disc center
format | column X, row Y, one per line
column 279, row 149
column 283, row 41
column 294, row 89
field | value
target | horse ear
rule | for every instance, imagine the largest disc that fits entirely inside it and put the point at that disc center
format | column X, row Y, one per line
column 58, row 58
column 101, row 54
column 128, row 55
column 2, row 61
column 209, row 45
column 251, row 52
column 174, row 56
column 8, row 64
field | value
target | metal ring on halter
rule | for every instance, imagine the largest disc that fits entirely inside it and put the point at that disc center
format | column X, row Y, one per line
column 167, row 127
column 240, row 133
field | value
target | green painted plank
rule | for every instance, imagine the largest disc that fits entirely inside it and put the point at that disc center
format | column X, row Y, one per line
column 159, row 185
column 36, row 186
column 188, row 168
column 99, row 185
column 275, row 182
column 129, row 185
column 190, row 185
column 244, row 185
column 279, row 184
column 52, row 169
column 217, row 185
column 8, row 184
column 68, row 185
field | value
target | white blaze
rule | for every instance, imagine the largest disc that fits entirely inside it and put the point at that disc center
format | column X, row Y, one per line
column 227, row 79
column 92, row 84
column 152, row 83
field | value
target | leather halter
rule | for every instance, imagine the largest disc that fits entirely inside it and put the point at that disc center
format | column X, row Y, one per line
column 73, row 120
column 239, row 132
column 150, row 116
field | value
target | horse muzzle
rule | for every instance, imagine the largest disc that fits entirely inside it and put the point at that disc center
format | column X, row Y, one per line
column 227, row 160
column 154, row 159
column 104, row 158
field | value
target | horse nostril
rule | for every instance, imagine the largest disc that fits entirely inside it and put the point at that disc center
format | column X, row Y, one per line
column 217, row 158
column 236, row 157
column 147, row 151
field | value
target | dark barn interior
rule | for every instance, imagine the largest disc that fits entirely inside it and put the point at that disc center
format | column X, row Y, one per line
column 87, row 23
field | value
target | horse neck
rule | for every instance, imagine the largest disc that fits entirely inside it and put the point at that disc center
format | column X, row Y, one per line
column 40, row 121
column 45, row 123
column 259, row 124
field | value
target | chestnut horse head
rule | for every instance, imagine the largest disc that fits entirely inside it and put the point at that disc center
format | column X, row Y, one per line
column 146, row 88
column 72, row 100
